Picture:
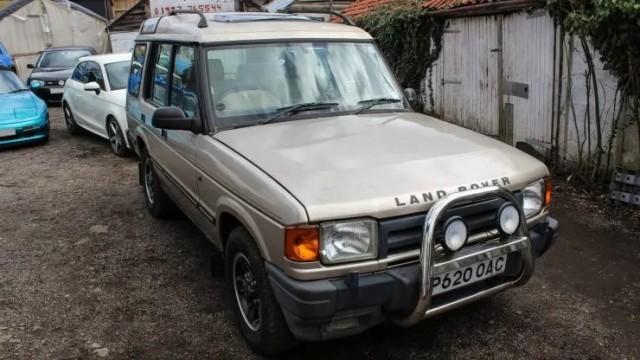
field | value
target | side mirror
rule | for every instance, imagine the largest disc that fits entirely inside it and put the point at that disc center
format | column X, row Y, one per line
column 92, row 86
column 411, row 96
column 31, row 66
column 172, row 118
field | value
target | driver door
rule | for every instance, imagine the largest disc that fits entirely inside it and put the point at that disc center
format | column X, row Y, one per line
column 92, row 101
column 172, row 83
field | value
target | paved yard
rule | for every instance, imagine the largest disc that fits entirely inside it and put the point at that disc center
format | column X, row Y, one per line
column 85, row 272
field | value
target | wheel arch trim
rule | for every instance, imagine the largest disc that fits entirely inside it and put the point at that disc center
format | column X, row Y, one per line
column 232, row 207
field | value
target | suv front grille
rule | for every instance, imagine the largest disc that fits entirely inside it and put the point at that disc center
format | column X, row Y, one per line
column 404, row 233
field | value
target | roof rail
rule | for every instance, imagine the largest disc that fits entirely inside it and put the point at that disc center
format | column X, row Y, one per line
column 203, row 19
column 298, row 9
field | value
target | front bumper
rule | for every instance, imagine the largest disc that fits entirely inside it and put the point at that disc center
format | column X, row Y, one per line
column 338, row 307
column 49, row 94
column 27, row 133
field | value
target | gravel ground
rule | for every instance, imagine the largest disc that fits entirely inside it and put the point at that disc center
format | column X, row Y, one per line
column 85, row 272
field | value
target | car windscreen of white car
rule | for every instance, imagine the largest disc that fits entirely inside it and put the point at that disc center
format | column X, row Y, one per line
column 118, row 74
column 63, row 59
column 251, row 84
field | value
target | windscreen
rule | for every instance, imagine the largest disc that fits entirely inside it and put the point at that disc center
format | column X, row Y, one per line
column 250, row 83
column 9, row 82
column 118, row 74
column 63, row 59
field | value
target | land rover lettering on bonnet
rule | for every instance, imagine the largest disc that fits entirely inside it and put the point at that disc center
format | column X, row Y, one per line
column 334, row 206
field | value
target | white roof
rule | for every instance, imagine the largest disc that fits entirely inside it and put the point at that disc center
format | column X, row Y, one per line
column 107, row 58
column 246, row 27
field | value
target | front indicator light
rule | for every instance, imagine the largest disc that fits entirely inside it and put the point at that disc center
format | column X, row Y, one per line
column 301, row 244
column 547, row 192
column 508, row 219
column 455, row 234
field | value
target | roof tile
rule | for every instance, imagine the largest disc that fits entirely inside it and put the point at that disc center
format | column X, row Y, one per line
column 361, row 7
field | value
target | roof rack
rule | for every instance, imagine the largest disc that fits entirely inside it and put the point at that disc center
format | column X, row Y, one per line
column 256, row 16
column 297, row 9
column 203, row 19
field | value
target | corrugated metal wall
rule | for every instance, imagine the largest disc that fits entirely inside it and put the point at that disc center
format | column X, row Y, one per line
column 462, row 86
column 43, row 23
column 528, row 57
column 465, row 77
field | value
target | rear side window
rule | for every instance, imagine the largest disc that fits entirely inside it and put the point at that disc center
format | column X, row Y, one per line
column 184, row 93
column 160, row 77
column 135, row 73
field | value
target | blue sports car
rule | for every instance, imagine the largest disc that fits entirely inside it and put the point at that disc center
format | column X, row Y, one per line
column 24, row 117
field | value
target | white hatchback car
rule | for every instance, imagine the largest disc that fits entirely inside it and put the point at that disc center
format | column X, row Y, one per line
column 95, row 97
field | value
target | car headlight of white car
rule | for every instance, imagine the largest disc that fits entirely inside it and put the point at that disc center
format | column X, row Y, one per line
column 346, row 241
column 35, row 84
column 534, row 198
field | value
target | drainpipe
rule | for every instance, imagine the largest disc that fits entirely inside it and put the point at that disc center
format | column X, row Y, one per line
column 561, row 60
column 502, row 127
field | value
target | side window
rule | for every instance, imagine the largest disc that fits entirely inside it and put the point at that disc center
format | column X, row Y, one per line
column 135, row 74
column 94, row 74
column 160, row 79
column 184, row 93
column 78, row 74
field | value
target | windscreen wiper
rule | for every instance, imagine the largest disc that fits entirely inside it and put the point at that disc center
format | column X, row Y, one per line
column 298, row 108
column 368, row 104
column 18, row 90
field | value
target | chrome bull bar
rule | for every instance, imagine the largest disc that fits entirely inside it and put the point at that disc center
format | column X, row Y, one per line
column 519, row 241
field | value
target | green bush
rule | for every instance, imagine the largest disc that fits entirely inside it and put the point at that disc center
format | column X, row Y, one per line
column 409, row 39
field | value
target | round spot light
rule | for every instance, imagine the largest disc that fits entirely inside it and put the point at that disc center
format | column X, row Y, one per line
column 508, row 219
column 455, row 234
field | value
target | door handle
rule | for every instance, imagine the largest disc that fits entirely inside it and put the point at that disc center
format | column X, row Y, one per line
column 143, row 118
column 163, row 133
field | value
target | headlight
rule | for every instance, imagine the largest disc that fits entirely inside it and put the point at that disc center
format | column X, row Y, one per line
column 508, row 219
column 348, row 241
column 36, row 84
column 455, row 234
column 61, row 82
column 533, row 198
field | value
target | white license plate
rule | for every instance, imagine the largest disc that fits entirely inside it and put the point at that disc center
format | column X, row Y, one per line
column 56, row 90
column 469, row 275
column 7, row 132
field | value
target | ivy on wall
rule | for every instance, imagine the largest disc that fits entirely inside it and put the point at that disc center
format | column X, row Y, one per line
column 409, row 38
column 612, row 27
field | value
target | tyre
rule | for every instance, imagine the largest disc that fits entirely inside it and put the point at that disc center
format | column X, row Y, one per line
column 116, row 138
column 70, row 121
column 257, row 312
column 156, row 200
